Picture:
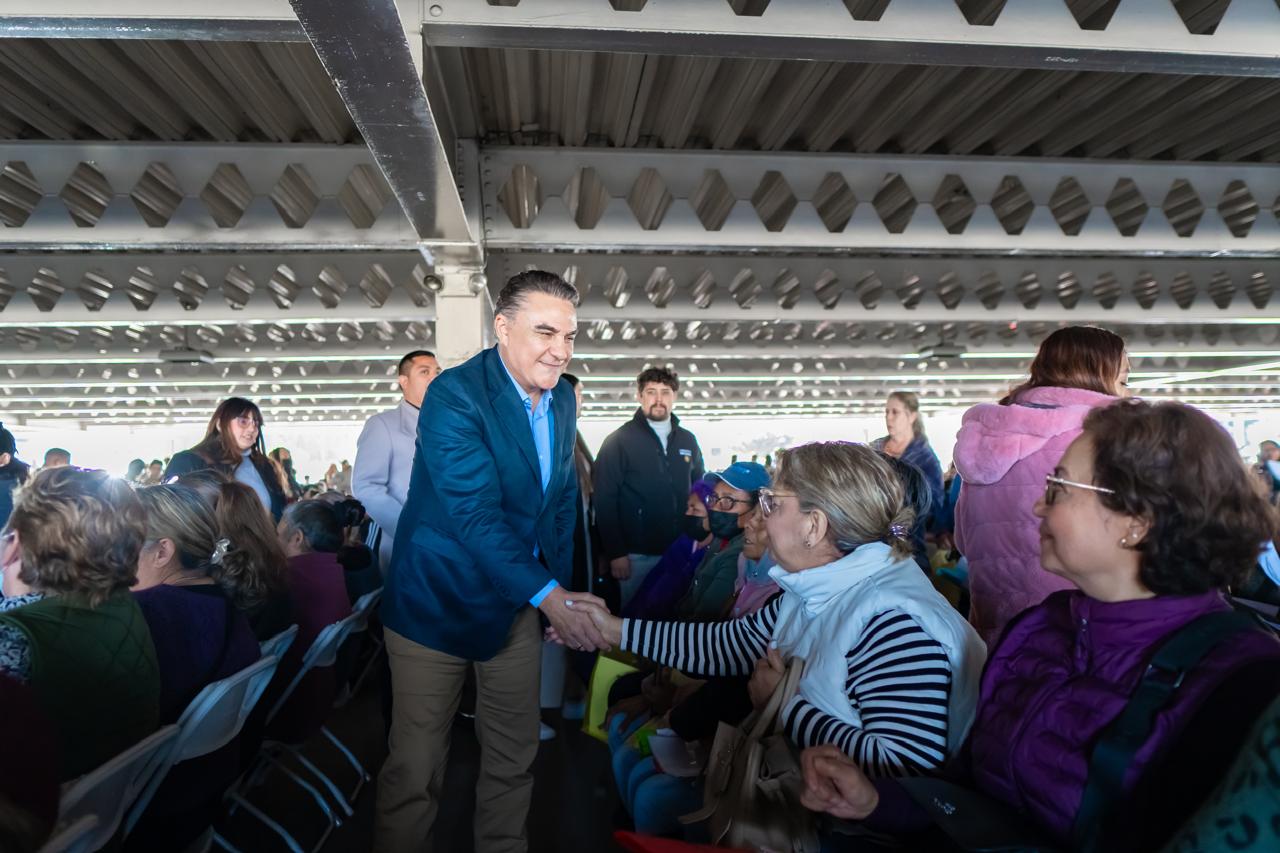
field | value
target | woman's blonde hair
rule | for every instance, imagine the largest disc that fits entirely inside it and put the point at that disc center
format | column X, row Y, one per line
column 81, row 533
column 858, row 492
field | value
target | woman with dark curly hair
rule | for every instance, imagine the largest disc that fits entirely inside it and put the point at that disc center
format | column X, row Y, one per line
column 83, row 646
column 1151, row 514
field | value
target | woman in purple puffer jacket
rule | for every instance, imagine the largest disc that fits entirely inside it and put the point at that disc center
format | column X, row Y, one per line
column 1004, row 451
column 1152, row 515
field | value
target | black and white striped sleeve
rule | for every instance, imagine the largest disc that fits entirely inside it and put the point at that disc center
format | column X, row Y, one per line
column 899, row 681
column 704, row 648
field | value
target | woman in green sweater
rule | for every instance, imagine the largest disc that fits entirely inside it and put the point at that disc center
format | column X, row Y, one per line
column 82, row 645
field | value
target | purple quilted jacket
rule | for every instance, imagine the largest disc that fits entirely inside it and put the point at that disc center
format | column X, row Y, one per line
column 1062, row 672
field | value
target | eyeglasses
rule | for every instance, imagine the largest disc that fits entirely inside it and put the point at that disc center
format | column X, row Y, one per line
column 726, row 503
column 247, row 420
column 1054, row 486
column 769, row 500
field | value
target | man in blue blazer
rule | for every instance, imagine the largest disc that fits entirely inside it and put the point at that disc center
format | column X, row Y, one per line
column 485, row 540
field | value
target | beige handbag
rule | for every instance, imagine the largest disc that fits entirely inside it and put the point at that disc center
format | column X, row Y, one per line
column 752, row 795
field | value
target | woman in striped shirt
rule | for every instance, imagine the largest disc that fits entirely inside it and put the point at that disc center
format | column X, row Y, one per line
column 891, row 669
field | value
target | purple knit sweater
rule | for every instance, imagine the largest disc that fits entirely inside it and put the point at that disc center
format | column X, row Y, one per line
column 194, row 645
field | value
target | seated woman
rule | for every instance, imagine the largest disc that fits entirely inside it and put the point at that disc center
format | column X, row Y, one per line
column 754, row 587
column 892, row 669
column 710, row 592
column 691, row 710
column 189, row 581
column 669, row 580
column 311, row 534
column 1151, row 513
column 191, row 586
column 258, row 580
column 84, row 648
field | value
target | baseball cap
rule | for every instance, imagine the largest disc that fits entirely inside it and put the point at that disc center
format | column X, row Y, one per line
column 748, row 476
column 7, row 444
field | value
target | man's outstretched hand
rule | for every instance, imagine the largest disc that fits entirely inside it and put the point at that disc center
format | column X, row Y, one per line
column 607, row 627
column 570, row 615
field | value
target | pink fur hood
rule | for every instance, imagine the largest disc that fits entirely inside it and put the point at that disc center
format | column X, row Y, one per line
column 994, row 438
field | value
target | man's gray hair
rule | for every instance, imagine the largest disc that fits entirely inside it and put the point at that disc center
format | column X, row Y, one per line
column 519, row 286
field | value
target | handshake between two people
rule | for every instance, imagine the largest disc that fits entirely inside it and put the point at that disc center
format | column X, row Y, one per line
column 580, row 621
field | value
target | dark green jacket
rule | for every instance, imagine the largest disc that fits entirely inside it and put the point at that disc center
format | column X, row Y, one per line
column 94, row 674
column 711, row 591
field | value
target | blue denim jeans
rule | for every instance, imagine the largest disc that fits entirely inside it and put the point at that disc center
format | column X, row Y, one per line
column 655, row 800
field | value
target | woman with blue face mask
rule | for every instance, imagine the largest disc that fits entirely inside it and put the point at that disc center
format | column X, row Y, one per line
column 669, row 580
column 711, row 593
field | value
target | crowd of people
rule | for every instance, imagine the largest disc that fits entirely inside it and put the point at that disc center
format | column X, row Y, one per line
column 122, row 601
column 1091, row 680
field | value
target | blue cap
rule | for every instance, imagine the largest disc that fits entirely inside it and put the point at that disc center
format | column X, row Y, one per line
column 748, row 476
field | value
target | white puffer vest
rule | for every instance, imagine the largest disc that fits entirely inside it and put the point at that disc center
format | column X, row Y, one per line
column 824, row 610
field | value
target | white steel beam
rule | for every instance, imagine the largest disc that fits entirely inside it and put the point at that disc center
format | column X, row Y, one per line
column 175, row 197
column 960, row 289
column 196, row 289
column 227, row 20
column 692, row 201
column 1142, row 36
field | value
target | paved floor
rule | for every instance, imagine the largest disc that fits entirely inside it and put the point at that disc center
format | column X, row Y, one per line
column 573, row 798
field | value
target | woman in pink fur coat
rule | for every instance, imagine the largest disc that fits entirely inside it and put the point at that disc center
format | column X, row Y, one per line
column 1003, row 453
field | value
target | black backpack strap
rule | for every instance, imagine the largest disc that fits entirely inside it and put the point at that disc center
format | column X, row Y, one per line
column 1126, row 734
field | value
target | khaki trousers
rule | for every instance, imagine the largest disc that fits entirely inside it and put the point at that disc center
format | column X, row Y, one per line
column 426, row 687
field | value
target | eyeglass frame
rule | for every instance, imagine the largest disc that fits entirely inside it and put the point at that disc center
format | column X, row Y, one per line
column 1050, row 493
column 712, row 500
column 765, row 497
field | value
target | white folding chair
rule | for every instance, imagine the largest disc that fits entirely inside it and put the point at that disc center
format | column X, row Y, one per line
column 108, row 791
column 210, row 722
column 74, row 838
column 280, row 643
column 365, row 606
column 323, row 653
column 360, row 616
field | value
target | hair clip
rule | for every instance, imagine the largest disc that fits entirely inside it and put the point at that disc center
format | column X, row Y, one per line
column 897, row 531
column 220, row 549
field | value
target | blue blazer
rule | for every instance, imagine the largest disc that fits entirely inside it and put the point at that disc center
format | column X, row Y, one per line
column 463, row 564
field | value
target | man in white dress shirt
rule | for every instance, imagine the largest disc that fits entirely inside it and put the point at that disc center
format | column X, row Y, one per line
column 384, row 451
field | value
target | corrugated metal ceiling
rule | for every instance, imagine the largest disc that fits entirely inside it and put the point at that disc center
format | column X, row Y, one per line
column 580, row 98
column 71, row 89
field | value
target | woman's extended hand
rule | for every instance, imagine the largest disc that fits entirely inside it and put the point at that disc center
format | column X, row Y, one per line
column 769, row 671
column 835, row 785
column 608, row 625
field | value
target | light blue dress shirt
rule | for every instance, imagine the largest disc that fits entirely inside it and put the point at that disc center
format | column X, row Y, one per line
column 542, row 423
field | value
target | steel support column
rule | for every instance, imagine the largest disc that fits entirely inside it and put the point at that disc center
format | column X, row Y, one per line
column 387, row 100
column 464, row 314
